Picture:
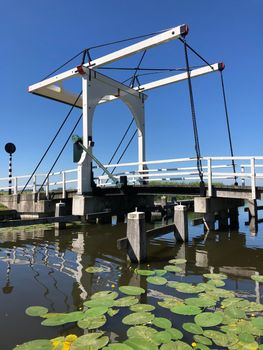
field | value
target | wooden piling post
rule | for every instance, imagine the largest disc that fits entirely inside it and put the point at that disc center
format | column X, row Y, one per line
column 136, row 234
column 222, row 219
column 181, row 223
column 60, row 211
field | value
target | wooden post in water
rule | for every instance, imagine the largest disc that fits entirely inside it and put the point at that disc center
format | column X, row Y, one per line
column 181, row 223
column 60, row 211
column 136, row 234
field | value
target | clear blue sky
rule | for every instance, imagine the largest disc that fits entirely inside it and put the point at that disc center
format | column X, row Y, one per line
column 37, row 36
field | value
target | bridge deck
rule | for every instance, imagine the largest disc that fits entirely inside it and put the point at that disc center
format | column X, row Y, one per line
column 237, row 192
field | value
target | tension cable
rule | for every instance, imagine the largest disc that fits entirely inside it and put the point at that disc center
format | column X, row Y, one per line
column 228, row 125
column 195, row 129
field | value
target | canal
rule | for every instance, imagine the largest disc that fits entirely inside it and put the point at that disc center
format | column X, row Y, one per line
column 42, row 267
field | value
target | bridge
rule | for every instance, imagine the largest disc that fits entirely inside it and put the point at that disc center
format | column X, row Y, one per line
column 224, row 181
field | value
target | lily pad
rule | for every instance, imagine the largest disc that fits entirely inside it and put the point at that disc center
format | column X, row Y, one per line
column 189, row 288
column 118, row 346
column 160, row 272
column 138, row 343
column 162, row 322
column 126, row 301
column 39, row 344
column 144, row 272
column 208, row 319
column 141, row 331
column 172, row 268
column 96, row 311
column 168, row 303
column 176, row 345
column 36, row 311
column 158, row 280
column 108, row 302
column 201, row 301
column 93, row 340
column 202, row 339
column 192, row 328
column 138, row 318
column 142, row 307
column 257, row 278
column 216, row 282
column 94, row 269
column 92, row 322
column 59, row 320
column 113, row 312
column 221, row 339
column 105, row 294
column 183, row 309
column 131, row 290
column 177, row 261
column 162, row 337
column 175, row 333
column 258, row 322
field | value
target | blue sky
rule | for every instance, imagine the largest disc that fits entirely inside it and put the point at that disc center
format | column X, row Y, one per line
column 38, row 36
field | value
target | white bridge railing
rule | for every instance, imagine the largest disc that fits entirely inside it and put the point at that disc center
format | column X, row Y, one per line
column 249, row 172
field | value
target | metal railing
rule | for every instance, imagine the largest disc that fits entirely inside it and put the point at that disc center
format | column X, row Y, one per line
column 249, row 171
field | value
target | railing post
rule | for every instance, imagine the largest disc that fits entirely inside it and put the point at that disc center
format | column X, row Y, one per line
column 209, row 176
column 243, row 179
column 253, row 178
column 34, row 184
column 15, row 185
column 63, row 184
column 47, row 187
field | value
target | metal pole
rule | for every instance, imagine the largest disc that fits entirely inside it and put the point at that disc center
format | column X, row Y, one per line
column 10, row 174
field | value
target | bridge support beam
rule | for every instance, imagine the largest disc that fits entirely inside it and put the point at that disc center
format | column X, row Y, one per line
column 95, row 87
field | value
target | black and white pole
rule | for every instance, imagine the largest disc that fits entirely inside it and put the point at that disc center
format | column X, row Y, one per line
column 10, row 148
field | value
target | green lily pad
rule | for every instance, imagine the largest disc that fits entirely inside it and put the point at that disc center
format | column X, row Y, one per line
column 173, row 268
column 96, row 311
column 221, row 339
column 215, row 276
column 94, row 269
column 234, row 312
column 257, row 278
column 175, row 333
column 160, row 272
column 144, row 272
column 138, row 343
column 200, row 346
column 216, row 282
column 162, row 337
column 189, row 288
column 63, row 319
column 93, row 340
column 255, row 307
column 230, row 301
column 141, row 331
column 246, row 338
column 92, row 322
column 142, row 307
column 158, row 280
column 36, row 311
column 118, row 346
column 201, row 301
column 138, row 318
column 168, row 303
column 126, row 301
column 177, row 261
column 99, row 302
column 208, row 319
column 162, row 322
column 39, row 344
column 131, row 290
column 183, row 309
column 192, row 328
column 113, row 312
column 105, row 294
column 257, row 322
column 203, row 340
column 176, row 345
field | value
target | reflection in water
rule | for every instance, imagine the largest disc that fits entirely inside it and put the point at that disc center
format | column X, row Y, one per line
column 48, row 268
